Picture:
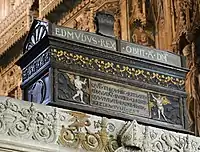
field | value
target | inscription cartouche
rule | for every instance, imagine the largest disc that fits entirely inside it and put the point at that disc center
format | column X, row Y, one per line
column 118, row 98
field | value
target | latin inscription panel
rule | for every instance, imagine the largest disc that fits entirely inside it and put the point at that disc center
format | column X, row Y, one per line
column 150, row 54
column 119, row 98
column 85, row 37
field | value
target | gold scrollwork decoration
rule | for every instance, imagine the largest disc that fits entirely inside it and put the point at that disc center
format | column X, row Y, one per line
column 121, row 70
column 76, row 138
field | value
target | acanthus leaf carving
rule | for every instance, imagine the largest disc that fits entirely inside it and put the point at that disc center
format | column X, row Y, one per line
column 157, row 140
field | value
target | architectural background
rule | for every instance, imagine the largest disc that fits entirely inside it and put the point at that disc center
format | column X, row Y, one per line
column 170, row 25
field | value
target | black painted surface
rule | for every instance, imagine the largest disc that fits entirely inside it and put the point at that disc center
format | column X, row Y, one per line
column 53, row 66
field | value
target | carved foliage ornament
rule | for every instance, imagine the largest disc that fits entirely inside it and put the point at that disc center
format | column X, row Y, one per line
column 27, row 123
column 13, row 34
column 138, row 138
column 23, row 120
column 73, row 14
column 83, row 22
column 131, row 136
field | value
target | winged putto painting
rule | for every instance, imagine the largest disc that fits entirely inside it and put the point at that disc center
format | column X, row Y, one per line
column 165, row 108
column 73, row 87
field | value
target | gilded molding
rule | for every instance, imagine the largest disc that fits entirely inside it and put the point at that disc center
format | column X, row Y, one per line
column 187, row 19
column 13, row 34
column 111, row 6
column 121, row 70
column 14, row 17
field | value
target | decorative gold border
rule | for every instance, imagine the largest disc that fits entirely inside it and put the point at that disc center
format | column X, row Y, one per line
column 116, row 69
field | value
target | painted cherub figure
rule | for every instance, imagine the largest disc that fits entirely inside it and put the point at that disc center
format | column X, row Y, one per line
column 159, row 104
column 79, row 86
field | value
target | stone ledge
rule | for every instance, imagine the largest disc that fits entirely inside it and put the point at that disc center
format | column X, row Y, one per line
column 25, row 126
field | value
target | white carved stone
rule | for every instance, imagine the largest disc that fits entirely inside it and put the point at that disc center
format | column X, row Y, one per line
column 29, row 127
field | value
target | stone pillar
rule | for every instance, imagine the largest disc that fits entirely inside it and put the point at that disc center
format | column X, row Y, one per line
column 6, row 7
column 1, row 9
column 124, row 20
column 168, row 24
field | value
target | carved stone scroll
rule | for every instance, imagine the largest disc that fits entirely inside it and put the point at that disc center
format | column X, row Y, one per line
column 26, row 122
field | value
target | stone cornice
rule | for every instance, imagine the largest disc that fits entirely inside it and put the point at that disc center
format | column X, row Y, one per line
column 25, row 126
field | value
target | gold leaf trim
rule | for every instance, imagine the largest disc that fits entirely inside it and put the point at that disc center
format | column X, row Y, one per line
column 117, row 69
